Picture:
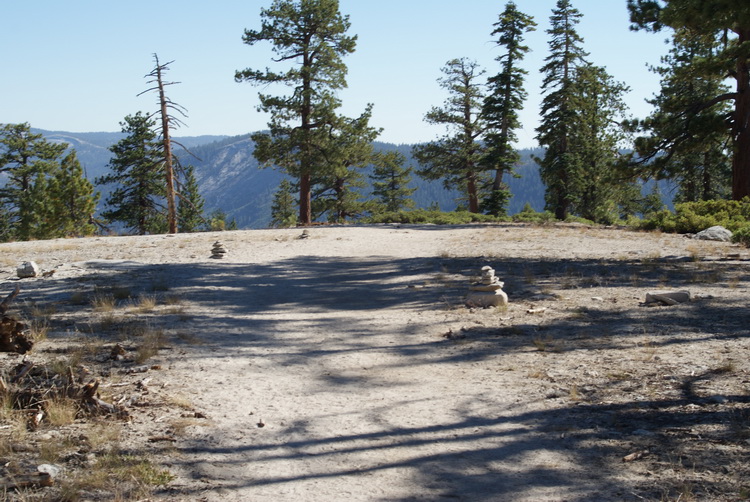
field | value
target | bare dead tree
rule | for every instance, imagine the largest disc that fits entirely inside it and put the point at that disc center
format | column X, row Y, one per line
column 168, row 122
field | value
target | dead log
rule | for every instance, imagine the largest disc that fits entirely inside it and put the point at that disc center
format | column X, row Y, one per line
column 30, row 480
column 93, row 404
column 12, row 332
column 5, row 303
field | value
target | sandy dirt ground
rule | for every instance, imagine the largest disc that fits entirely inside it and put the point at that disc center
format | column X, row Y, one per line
column 346, row 366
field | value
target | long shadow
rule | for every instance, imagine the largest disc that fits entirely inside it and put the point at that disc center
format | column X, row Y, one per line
column 245, row 303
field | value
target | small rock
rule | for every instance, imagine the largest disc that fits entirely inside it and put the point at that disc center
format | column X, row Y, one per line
column 667, row 297
column 53, row 470
column 715, row 233
column 28, row 269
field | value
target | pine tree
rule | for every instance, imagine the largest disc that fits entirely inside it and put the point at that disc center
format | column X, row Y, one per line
column 75, row 200
column 456, row 157
column 728, row 24
column 600, row 194
column 390, row 181
column 690, row 148
column 560, row 168
column 338, row 191
column 27, row 160
column 313, row 34
column 283, row 212
column 503, row 102
column 190, row 205
column 137, row 199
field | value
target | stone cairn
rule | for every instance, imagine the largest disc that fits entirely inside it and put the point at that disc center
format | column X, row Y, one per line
column 488, row 292
column 218, row 251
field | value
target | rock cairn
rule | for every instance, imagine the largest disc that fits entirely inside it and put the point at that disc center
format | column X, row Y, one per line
column 488, row 292
column 218, row 251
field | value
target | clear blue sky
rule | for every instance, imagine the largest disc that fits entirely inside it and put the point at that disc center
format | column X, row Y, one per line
column 78, row 65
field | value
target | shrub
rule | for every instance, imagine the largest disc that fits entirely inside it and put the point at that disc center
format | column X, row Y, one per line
column 742, row 235
column 435, row 217
column 692, row 217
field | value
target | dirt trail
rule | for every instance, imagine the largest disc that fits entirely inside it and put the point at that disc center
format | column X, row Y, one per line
column 344, row 366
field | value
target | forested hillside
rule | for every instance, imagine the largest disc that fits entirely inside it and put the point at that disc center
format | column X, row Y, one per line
column 230, row 180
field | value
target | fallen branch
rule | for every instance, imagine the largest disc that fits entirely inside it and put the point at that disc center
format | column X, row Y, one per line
column 26, row 481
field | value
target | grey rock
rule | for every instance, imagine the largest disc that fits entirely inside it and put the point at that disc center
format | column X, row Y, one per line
column 715, row 233
column 667, row 297
column 28, row 269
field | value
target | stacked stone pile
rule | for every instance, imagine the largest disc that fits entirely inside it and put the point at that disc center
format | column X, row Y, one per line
column 488, row 292
column 218, row 250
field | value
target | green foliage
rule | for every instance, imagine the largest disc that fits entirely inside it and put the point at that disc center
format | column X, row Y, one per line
column 46, row 194
column 683, row 139
column 337, row 190
column 218, row 221
column 73, row 212
column 431, row 216
column 560, row 169
column 742, row 235
column 283, row 214
column 502, row 104
column 581, row 113
column 390, row 181
column 313, row 34
column 456, row 157
column 135, row 167
column 693, row 217
column 190, row 206
column 724, row 28
column 528, row 215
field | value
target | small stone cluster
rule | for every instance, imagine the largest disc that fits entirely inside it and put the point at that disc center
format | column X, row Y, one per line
column 488, row 292
column 218, row 250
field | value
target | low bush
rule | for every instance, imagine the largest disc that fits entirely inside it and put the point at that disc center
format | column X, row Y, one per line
column 692, row 217
column 426, row 216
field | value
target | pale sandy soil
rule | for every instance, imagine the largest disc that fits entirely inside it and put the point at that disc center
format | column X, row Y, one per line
column 345, row 366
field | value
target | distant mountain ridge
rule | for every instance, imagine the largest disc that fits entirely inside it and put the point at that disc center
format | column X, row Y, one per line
column 231, row 181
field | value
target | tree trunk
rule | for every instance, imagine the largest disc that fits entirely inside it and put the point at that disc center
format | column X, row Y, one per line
column 741, row 159
column 168, row 167
column 305, row 208
column 471, row 180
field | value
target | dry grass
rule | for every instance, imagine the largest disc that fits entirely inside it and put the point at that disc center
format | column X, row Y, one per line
column 60, row 411
column 145, row 304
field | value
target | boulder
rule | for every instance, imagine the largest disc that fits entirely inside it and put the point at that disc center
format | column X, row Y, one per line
column 28, row 269
column 715, row 233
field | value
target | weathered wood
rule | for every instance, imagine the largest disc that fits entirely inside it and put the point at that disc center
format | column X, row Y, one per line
column 12, row 336
column 5, row 303
column 29, row 480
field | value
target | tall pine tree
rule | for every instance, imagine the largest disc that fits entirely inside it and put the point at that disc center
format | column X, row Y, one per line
column 504, row 100
column 691, row 148
column 137, row 199
column 728, row 23
column 456, row 157
column 560, row 168
column 75, row 200
column 310, row 36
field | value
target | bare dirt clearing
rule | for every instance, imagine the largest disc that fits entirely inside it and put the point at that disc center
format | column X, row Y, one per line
column 345, row 366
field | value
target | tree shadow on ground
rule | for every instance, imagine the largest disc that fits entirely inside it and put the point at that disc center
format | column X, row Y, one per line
column 237, row 305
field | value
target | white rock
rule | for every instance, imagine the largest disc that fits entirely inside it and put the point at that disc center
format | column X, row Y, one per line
column 28, row 269
column 716, row 233
column 668, row 297
column 487, row 299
